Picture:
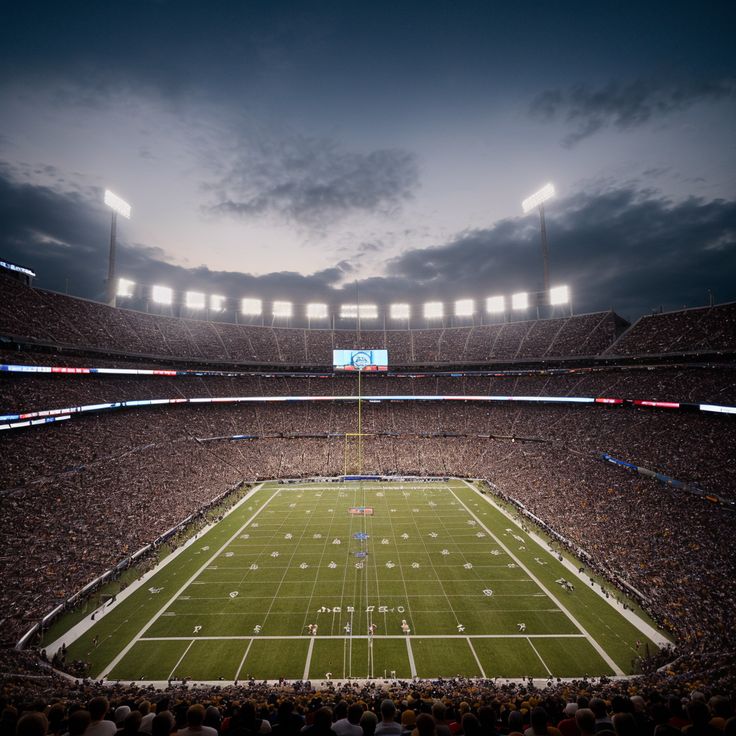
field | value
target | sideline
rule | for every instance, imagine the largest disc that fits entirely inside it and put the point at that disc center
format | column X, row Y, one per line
column 157, row 615
column 601, row 651
column 630, row 615
column 83, row 626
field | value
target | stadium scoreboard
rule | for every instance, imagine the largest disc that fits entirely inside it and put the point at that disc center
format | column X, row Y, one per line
column 360, row 360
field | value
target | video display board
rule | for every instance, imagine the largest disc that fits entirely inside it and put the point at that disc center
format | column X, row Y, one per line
column 360, row 360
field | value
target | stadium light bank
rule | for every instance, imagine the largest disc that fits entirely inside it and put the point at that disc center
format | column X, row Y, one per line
column 537, row 200
column 119, row 207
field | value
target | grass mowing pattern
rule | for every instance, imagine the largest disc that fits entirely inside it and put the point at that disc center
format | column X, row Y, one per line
column 237, row 602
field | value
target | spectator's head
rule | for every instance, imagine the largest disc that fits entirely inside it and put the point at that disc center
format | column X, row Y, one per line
column 132, row 723
column 598, row 706
column 470, row 725
column 408, row 720
column 388, row 710
column 439, row 711
column 539, row 720
column 98, row 707
column 77, row 722
column 697, row 712
column 368, row 722
column 516, row 721
column 195, row 715
column 585, row 720
column 624, row 724
column 162, row 724
column 32, row 724
column 355, row 711
column 121, row 713
column 323, row 718
column 425, row 725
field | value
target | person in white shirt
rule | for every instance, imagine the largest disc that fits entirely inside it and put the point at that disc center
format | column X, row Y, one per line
column 98, row 726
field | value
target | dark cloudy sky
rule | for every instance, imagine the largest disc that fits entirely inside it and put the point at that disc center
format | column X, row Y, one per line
column 287, row 149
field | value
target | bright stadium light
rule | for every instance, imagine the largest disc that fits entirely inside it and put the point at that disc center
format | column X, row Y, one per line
column 282, row 309
column 559, row 295
column 400, row 311
column 195, row 300
column 217, row 303
column 316, row 311
column 520, row 300
column 162, row 295
column 117, row 204
column 537, row 200
column 252, row 307
column 125, row 288
column 119, row 207
column 495, row 304
column 464, row 308
column 348, row 311
column 434, row 310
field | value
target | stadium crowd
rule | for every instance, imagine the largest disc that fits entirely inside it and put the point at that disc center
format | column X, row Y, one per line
column 689, row 699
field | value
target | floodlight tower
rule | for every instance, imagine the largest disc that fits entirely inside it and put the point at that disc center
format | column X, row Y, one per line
column 537, row 200
column 119, row 207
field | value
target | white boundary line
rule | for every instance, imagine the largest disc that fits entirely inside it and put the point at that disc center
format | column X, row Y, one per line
column 410, row 653
column 305, row 676
column 173, row 671
column 80, row 628
column 150, row 622
column 604, row 655
column 366, row 636
column 242, row 661
column 544, row 664
column 477, row 661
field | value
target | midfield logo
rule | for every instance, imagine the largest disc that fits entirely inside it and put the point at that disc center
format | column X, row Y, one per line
column 361, row 510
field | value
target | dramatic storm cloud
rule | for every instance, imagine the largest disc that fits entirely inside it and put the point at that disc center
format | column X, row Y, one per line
column 375, row 151
column 618, row 247
column 313, row 182
column 625, row 106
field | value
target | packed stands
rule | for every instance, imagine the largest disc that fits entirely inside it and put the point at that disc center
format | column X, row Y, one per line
column 51, row 318
column 706, row 329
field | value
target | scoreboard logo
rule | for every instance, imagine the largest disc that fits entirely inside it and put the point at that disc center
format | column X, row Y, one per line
column 360, row 360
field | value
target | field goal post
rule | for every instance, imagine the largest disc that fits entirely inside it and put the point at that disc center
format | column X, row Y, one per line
column 353, row 453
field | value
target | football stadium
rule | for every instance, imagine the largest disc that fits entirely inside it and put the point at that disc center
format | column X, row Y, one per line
column 261, row 503
column 367, row 369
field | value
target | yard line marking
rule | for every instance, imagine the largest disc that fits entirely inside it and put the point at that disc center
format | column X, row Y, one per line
column 412, row 665
column 242, row 661
column 366, row 636
column 173, row 672
column 309, row 659
column 544, row 664
column 171, row 600
column 604, row 655
column 477, row 661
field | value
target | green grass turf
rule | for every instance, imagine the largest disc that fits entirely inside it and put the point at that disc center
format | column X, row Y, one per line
column 439, row 556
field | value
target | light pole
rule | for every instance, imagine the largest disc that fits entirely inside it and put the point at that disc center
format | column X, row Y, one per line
column 119, row 207
column 537, row 200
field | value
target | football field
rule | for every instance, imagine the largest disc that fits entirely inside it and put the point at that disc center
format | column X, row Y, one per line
column 361, row 580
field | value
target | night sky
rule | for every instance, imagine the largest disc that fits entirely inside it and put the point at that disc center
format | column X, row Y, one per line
column 289, row 150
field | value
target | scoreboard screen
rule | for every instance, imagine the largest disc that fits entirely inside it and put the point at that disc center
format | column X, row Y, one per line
column 360, row 360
